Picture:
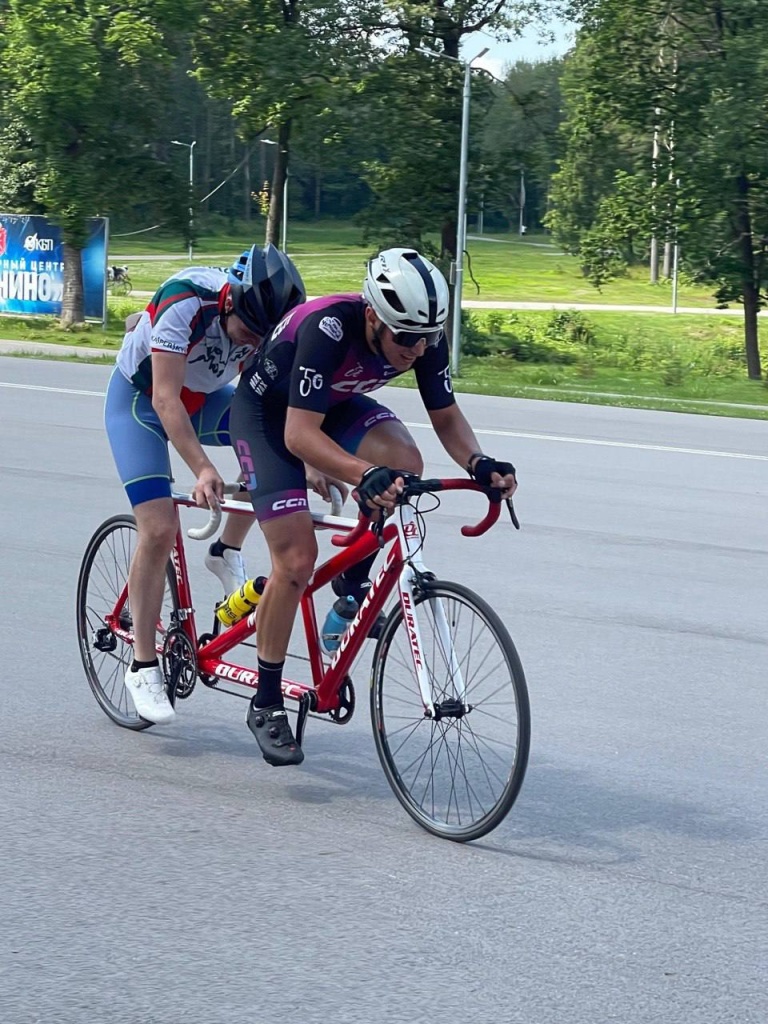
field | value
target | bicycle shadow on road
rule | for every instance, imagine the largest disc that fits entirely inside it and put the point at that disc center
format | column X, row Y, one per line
column 571, row 816
column 339, row 764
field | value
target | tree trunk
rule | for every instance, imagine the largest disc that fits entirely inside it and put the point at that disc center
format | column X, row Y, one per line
column 72, row 302
column 751, row 341
column 247, row 201
column 750, row 287
column 654, row 274
column 279, row 175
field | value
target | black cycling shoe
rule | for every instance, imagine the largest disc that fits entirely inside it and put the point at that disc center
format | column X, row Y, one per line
column 273, row 733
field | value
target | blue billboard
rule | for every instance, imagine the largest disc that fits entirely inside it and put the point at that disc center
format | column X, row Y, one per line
column 32, row 266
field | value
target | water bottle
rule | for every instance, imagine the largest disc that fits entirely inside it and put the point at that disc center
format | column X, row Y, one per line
column 242, row 602
column 336, row 622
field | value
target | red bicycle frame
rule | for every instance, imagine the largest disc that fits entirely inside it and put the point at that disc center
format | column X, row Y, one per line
column 358, row 541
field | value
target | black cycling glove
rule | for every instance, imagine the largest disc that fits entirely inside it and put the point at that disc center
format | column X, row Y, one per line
column 373, row 483
column 485, row 466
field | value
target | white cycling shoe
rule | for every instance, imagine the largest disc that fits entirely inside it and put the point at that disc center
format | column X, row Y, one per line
column 229, row 568
column 147, row 690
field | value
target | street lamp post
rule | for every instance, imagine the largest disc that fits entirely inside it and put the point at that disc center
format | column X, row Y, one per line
column 461, row 216
column 191, row 147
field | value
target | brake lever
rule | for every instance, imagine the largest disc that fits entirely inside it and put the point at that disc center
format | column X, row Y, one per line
column 512, row 513
column 377, row 526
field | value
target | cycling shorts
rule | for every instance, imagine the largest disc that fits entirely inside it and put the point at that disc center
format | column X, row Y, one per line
column 274, row 476
column 139, row 443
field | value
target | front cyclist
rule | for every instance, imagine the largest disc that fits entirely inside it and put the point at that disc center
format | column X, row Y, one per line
column 304, row 400
column 174, row 382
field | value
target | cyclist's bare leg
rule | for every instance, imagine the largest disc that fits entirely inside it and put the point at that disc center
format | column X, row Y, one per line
column 156, row 522
column 390, row 444
column 293, row 549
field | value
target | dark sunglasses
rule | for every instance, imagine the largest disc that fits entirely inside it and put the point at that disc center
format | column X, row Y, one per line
column 409, row 339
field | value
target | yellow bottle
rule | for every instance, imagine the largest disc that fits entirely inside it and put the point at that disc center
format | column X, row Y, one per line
column 242, row 602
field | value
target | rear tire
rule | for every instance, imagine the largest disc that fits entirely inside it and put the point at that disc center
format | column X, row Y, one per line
column 458, row 774
column 122, row 286
column 103, row 575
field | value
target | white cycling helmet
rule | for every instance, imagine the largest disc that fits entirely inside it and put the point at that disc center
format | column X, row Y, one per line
column 407, row 293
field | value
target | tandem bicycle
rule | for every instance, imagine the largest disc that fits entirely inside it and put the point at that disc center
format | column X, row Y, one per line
column 448, row 697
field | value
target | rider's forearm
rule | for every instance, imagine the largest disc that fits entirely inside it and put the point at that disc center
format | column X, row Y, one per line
column 455, row 433
column 178, row 426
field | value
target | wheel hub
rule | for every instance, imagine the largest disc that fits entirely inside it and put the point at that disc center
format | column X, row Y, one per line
column 453, row 708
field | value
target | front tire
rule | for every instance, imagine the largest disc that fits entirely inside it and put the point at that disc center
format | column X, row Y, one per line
column 105, row 655
column 457, row 774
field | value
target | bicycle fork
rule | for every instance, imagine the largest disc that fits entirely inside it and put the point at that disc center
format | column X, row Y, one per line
column 409, row 584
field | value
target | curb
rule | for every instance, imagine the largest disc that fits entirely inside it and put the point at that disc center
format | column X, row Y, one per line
column 21, row 348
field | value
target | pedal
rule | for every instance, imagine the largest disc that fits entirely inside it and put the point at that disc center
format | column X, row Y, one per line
column 305, row 706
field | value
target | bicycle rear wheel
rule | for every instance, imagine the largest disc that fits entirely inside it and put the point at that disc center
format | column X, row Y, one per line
column 106, row 656
column 459, row 773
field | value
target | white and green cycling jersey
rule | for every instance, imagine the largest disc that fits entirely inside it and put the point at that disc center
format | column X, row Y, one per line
column 184, row 317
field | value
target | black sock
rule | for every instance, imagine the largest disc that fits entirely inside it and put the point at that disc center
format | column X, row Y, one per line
column 270, row 677
column 359, row 573
column 217, row 549
column 144, row 664
column 354, row 582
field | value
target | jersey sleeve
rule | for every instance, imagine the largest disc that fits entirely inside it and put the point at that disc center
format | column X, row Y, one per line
column 433, row 376
column 176, row 318
column 320, row 350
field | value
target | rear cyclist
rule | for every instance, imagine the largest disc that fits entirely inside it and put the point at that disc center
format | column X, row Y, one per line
column 173, row 382
column 303, row 400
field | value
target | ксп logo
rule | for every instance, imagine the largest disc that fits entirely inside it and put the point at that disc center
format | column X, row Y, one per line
column 34, row 244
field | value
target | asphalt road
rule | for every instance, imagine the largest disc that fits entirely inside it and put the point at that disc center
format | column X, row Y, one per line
column 171, row 876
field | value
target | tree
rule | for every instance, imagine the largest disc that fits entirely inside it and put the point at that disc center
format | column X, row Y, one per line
column 414, row 103
column 700, row 68
column 521, row 132
column 283, row 64
column 79, row 81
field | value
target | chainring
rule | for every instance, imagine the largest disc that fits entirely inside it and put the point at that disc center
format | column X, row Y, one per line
column 343, row 713
column 179, row 664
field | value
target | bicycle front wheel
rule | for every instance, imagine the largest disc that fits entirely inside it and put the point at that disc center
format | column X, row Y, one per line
column 457, row 773
column 106, row 656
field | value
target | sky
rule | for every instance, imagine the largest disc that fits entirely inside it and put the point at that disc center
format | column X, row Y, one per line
column 527, row 47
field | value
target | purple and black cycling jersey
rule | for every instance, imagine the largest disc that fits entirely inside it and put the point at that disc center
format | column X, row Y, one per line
column 317, row 359
column 318, row 356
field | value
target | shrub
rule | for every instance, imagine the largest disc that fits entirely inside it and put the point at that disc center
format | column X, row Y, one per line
column 474, row 341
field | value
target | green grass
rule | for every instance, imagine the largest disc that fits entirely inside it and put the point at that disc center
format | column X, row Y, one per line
column 332, row 257
column 535, row 270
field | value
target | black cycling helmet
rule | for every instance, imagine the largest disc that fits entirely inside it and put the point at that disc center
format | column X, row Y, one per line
column 270, row 287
